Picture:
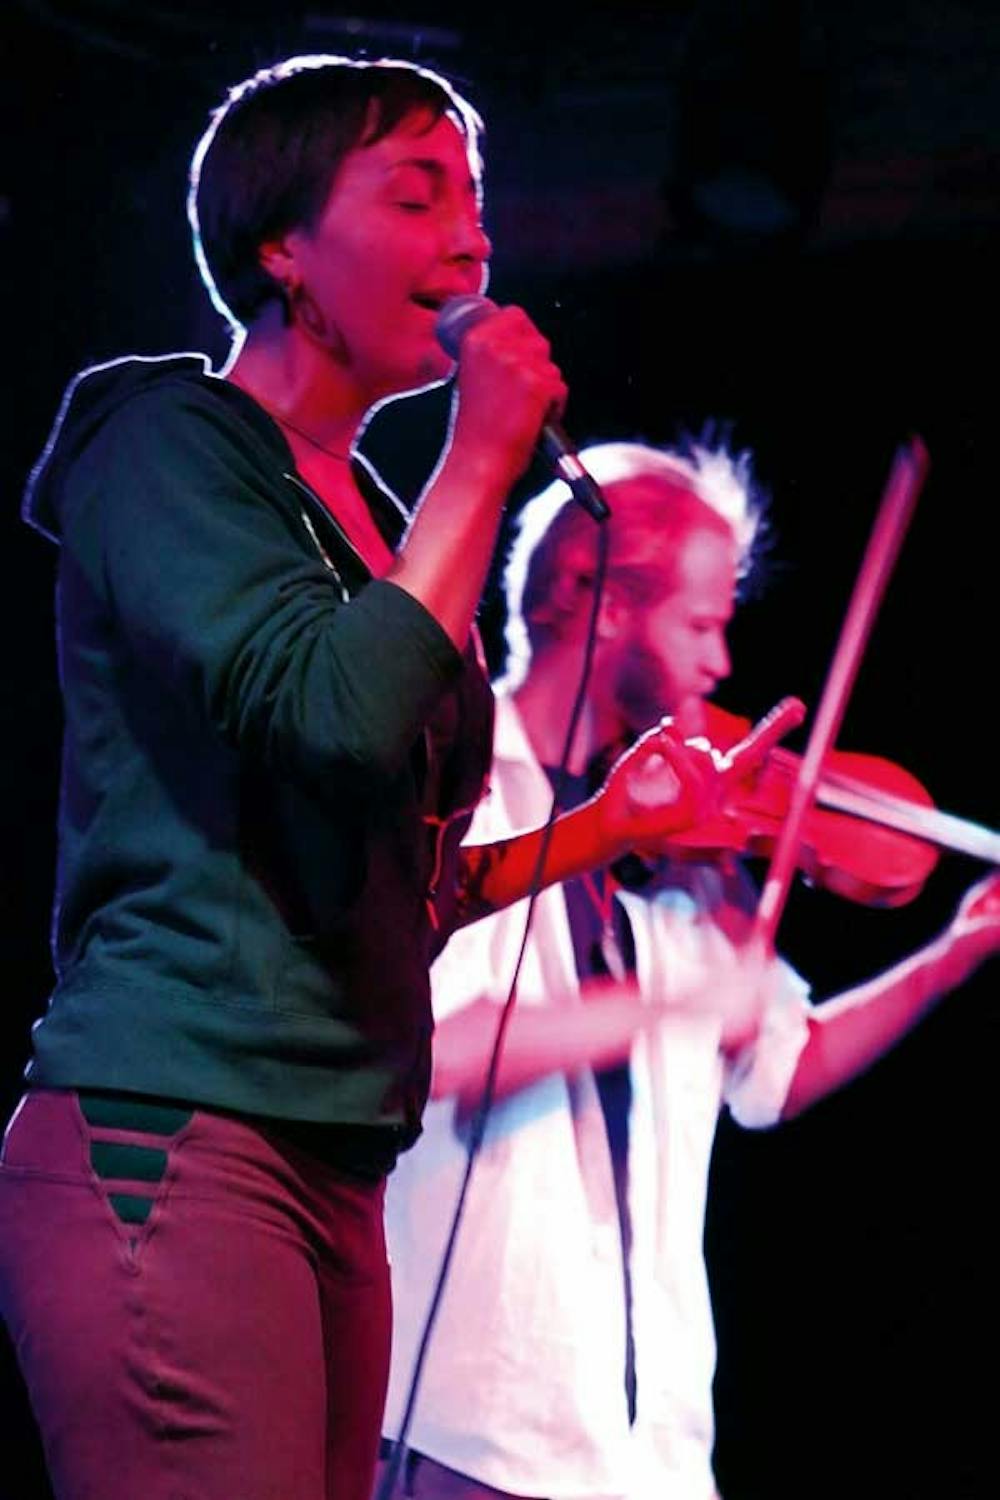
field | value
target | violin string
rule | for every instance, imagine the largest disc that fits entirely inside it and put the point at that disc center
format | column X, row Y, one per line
column 856, row 797
column 876, row 805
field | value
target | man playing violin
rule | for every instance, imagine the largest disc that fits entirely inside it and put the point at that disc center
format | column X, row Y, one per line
column 574, row 1352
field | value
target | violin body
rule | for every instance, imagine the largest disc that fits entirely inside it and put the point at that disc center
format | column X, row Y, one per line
column 846, row 853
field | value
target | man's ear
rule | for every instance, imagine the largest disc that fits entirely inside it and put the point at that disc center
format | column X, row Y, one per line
column 568, row 604
column 615, row 614
column 566, row 597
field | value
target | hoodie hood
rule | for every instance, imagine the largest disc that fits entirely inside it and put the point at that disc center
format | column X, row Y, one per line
column 90, row 398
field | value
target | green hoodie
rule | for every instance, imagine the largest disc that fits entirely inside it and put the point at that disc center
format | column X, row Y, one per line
column 269, row 762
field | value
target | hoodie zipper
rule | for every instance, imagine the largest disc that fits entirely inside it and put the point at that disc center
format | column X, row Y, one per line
column 438, row 824
column 328, row 562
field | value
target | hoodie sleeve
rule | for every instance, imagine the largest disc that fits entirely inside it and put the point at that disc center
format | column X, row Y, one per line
column 178, row 518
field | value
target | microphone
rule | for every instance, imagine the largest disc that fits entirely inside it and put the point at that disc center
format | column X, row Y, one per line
column 456, row 317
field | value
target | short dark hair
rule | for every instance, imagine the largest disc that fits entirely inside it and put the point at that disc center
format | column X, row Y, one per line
column 268, row 159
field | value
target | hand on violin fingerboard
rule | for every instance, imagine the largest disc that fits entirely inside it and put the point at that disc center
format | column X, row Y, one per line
column 664, row 785
column 660, row 785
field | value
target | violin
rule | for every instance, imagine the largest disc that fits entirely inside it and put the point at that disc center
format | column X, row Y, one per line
column 873, row 834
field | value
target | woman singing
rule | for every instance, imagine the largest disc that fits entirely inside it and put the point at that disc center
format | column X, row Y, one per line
column 276, row 727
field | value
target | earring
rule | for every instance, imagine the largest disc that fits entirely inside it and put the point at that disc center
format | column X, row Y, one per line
column 286, row 296
column 303, row 307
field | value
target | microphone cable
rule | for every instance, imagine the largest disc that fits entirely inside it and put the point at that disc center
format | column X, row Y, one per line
column 397, row 1455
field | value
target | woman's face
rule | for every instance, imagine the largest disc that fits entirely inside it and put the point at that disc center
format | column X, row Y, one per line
column 399, row 234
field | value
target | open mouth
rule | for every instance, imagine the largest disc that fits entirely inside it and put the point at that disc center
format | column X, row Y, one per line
column 429, row 300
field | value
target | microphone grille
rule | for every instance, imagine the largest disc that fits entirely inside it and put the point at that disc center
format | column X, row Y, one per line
column 457, row 316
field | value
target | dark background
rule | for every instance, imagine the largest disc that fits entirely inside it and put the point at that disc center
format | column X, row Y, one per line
column 780, row 216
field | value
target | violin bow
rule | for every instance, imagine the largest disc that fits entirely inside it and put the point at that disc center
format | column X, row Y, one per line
column 845, row 794
column 906, row 478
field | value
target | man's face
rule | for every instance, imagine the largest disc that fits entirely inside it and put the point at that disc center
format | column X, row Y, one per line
column 673, row 652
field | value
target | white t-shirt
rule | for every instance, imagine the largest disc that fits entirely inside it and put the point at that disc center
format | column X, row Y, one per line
column 523, row 1387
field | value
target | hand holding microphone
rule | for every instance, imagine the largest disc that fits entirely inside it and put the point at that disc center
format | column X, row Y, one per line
column 457, row 317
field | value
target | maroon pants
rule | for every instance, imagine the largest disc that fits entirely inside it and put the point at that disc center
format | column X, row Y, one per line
column 233, row 1347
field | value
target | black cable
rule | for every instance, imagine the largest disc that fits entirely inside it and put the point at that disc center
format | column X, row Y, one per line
column 388, row 1481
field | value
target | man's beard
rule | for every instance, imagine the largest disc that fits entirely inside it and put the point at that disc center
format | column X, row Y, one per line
column 642, row 693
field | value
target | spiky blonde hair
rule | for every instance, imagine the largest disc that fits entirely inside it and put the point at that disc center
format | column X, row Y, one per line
column 700, row 483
